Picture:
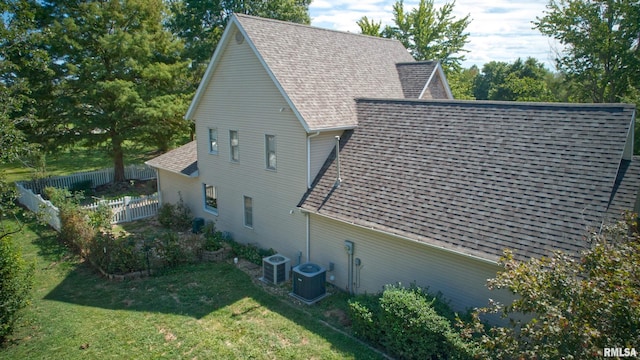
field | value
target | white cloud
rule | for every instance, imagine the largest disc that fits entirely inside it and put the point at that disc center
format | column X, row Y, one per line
column 500, row 30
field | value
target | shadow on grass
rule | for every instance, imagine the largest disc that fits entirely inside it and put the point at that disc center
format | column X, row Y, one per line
column 191, row 290
column 196, row 291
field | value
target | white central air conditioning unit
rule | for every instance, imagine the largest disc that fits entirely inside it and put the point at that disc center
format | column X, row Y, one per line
column 275, row 269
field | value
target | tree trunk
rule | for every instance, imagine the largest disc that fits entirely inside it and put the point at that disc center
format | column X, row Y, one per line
column 118, row 159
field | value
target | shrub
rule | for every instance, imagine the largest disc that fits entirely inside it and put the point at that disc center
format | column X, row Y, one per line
column 83, row 186
column 166, row 213
column 76, row 231
column 16, row 281
column 175, row 217
column 117, row 255
column 249, row 252
column 407, row 323
column 170, row 250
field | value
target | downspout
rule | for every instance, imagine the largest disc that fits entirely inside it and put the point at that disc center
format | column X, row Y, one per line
column 309, row 180
column 308, row 236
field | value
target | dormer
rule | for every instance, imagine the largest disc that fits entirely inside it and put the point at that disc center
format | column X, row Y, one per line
column 423, row 80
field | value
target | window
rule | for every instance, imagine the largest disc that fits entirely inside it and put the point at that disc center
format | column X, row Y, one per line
column 234, row 144
column 210, row 198
column 248, row 212
column 213, row 141
column 270, row 151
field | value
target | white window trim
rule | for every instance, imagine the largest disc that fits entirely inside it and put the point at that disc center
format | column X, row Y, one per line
column 231, row 146
column 266, row 150
column 244, row 211
column 214, row 152
column 206, row 208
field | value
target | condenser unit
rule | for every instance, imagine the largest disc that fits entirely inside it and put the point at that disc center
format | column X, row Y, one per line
column 275, row 269
column 309, row 282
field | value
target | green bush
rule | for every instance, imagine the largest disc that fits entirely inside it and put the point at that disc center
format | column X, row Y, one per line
column 407, row 323
column 166, row 213
column 84, row 186
column 76, row 230
column 16, row 281
column 117, row 255
column 175, row 217
column 249, row 252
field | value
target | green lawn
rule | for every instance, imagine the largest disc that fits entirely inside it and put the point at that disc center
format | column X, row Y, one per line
column 197, row 311
column 77, row 159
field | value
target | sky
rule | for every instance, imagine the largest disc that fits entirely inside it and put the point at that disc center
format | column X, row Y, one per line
column 500, row 30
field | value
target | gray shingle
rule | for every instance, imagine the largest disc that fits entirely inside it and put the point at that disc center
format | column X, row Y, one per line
column 182, row 160
column 323, row 71
column 414, row 76
column 477, row 177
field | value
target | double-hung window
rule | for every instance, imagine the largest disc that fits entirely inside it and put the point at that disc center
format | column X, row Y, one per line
column 210, row 198
column 213, row 141
column 234, row 146
column 248, row 212
column 270, row 151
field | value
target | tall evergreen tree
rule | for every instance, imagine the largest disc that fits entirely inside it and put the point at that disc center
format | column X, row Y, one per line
column 121, row 73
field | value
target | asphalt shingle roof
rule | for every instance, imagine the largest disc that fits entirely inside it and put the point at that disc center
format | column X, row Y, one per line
column 625, row 191
column 182, row 160
column 414, row 77
column 477, row 177
column 322, row 71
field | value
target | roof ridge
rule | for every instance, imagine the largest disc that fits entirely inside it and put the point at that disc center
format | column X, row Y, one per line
column 501, row 103
column 309, row 26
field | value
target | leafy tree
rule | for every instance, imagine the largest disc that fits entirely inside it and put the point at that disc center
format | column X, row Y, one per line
column 429, row 34
column 519, row 81
column 121, row 74
column 601, row 54
column 573, row 307
column 369, row 27
column 462, row 82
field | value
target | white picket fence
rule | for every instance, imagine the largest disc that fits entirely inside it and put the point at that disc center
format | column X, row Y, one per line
column 129, row 208
column 97, row 178
column 43, row 208
column 125, row 209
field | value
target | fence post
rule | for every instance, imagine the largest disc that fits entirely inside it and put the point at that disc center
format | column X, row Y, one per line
column 127, row 210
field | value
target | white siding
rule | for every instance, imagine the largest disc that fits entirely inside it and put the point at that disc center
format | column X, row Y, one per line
column 241, row 96
column 388, row 260
column 321, row 147
column 172, row 186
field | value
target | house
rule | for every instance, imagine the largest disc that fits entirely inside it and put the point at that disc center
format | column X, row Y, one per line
column 428, row 189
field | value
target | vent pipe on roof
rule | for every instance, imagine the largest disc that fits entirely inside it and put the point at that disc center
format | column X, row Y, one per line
column 339, row 179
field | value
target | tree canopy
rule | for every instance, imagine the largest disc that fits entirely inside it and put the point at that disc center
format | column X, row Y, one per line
column 428, row 33
column 601, row 54
column 518, row 81
column 574, row 306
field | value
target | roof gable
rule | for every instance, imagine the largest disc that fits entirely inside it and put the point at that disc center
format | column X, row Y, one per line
column 417, row 76
column 477, row 177
column 319, row 72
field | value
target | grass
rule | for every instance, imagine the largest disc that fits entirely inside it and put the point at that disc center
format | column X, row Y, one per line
column 204, row 310
column 76, row 159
